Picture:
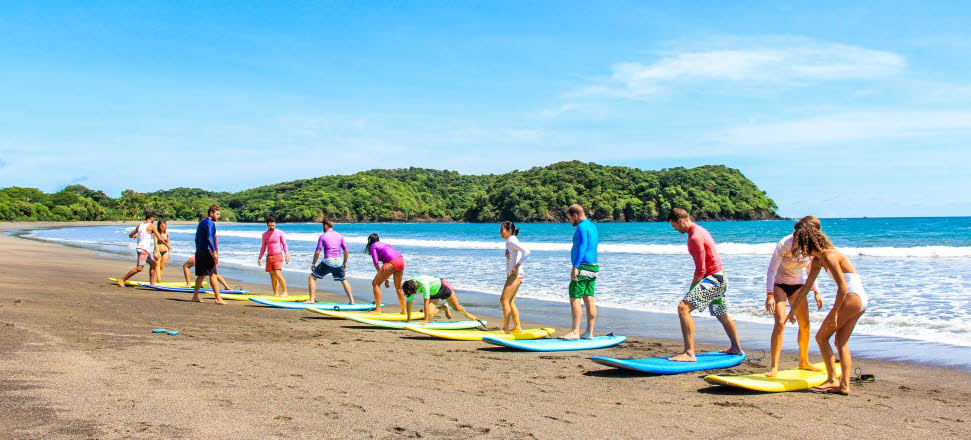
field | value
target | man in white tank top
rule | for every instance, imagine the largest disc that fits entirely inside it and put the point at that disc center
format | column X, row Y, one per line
column 144, row 247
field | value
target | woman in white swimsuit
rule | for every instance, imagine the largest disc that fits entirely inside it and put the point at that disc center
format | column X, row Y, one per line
column 850, row 303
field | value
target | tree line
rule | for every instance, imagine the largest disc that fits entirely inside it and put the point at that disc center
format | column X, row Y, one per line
column 540, row 194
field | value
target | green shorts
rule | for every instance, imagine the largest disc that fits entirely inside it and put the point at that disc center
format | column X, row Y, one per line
column 586, row 281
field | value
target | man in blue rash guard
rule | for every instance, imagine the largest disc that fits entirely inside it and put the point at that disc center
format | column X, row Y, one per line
column 206, row 254
column 583, row 276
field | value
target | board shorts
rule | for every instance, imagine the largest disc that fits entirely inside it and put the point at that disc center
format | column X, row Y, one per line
column 333, row 266
column 143, row 256
column 444, row 292
column 205, row 263
column 274, row 262
column 789, row 289
column 586, row 281
column 397, row 263
column 709, row 293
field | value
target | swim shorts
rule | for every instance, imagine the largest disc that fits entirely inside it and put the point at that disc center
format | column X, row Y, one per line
column 333, row 266
column 586, row 281
column 274, row 262
column 444, row 292
column 143, row 256
column 205, row 263
column 789, row 289
column 397, row 263
column 710, row 293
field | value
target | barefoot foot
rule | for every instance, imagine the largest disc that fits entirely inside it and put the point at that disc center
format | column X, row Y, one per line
column 586, row 336
column 810, row 367
column 683, row 357
column 772, row 373
column 732, row 350
column 571, row 335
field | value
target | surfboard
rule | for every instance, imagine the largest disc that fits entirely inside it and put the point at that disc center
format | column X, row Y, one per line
column 661, row 365
column 375, row 316
column 787, row 380
column 191, row 290
column 556, row 344
column 146, row 283
column 432, row 325
column 248, row 297
column 318, row 305
column 477, row 335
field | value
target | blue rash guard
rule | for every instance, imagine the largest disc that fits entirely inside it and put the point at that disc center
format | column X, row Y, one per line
column 585, row 241
column 206, row 235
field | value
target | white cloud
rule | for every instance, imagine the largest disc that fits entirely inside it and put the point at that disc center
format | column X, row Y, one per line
column 797, row 61
column 857, row 126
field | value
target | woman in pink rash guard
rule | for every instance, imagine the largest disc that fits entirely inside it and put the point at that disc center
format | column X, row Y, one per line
column 782, row 280
column 388, row 262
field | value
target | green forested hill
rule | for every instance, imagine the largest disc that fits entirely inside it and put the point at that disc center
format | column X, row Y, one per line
column 416, row 194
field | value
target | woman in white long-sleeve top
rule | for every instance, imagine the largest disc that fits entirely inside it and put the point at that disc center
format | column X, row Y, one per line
column 782, row 280
column 516, row 255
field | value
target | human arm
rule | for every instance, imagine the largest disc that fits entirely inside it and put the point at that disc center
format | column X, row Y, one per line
column 428, row 303
column 286, row 252
column 316, row 256
column 800, row 294
column 515, row 245
column 345, row 258
column 770, row 279
column 696, row 247
column 134, row 232
column 262, row 249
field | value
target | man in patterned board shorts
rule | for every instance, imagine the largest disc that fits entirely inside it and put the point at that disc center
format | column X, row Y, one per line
column 707, row 287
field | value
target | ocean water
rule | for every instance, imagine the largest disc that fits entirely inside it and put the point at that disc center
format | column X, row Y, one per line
column 913, row 268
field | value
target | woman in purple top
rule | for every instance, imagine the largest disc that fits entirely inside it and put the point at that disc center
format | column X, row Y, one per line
column 388, row 262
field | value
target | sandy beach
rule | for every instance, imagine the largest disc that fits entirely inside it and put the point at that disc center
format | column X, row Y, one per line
column 79, row 360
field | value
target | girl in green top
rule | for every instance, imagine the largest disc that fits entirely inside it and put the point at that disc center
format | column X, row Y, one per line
column 433, row 289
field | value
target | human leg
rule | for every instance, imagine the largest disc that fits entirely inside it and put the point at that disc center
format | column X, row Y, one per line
column 454, row 302
column 398, row 278
column 382, row 276
column 802, row 318
column 278, row 273
column 778, row 330
column 847, row 316
column 510, row 315
column 591, row 304
column 576, row 312
column 312, row 289
column 687, row 332
column 347, row 291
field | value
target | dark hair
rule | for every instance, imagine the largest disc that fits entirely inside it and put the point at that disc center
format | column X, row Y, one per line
column 808, row 221
column 807, row 241
column 270, row 220
column 327, row 222
column 212, row 209
column 678, row 214
column 409, row 287
column 371, row 239
column 575, row 209
column 149, row 214
column 510, row 226
column 161, row 222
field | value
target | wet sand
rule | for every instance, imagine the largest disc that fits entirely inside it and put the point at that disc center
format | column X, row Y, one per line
column 78, row 360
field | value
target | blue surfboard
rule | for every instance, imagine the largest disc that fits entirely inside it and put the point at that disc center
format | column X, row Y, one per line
column 345, row 307
column 556, row 344
column 661, row 365
column 191, row 290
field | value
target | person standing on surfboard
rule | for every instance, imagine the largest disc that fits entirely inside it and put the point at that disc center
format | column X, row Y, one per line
column 782, row 280
column 144, row 234
column 433, row 289
column 332, row 243
column 850, row 303
column 207, row 255
column 275, row 247
column 583, row 275
column 707, row 287
column 516, row 255
column 392, row 264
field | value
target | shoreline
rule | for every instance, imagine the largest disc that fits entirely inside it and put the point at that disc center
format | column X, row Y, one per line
column 638, row 323
column 247, row 371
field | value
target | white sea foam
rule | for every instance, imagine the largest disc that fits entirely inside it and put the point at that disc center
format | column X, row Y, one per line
column 725, row 248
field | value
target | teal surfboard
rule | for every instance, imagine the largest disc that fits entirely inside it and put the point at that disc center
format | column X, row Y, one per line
column 661, row 365
column 554, row 344
column 319, row 305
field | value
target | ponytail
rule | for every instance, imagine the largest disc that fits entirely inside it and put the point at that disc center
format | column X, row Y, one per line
column 371, row 239
column 511, row 227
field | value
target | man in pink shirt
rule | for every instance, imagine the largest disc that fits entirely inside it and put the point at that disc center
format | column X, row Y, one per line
column 707, row 287
column 275, row 246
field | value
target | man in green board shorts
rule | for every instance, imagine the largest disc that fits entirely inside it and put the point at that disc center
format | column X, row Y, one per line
column 583, row 276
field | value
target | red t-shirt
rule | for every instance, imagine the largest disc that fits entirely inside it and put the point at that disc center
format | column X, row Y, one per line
column 702, row 249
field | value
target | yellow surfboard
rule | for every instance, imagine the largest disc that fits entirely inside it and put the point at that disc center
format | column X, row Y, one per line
column 377, row 316
column 244, row 297
column 787, row 380
column 477, row 335
column 163, row 283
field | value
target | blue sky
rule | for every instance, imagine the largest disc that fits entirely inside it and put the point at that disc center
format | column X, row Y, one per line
column 834, row 109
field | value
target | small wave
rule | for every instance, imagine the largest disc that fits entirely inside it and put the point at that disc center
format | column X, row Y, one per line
column 726, row 248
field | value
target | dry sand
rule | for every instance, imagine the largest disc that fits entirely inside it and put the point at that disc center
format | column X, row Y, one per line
column 78, row 360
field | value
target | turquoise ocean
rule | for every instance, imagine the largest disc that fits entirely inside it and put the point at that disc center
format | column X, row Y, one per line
column 914, row 269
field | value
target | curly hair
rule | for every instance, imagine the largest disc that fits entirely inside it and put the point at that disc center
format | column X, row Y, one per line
column 807, row 241
column 810, row 221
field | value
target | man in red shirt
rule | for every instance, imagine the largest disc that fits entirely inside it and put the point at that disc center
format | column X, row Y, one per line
column 707, row 287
